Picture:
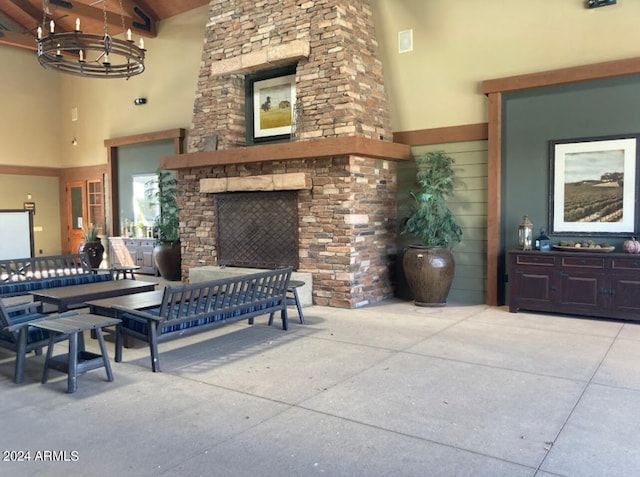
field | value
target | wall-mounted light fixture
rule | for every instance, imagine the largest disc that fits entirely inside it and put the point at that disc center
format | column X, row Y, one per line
column 29, row 204
column 74, row 142
column 600, row 3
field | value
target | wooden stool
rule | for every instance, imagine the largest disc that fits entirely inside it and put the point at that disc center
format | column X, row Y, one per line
column 292, row 299
column 121, row 271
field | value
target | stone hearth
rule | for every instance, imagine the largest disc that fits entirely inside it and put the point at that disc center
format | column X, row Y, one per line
column 347, row 199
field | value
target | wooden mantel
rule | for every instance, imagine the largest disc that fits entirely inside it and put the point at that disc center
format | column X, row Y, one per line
column 324, row 147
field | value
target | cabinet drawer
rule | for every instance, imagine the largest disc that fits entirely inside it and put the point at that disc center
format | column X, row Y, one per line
column 626, row 263
column 583, row 262
column 541, row 260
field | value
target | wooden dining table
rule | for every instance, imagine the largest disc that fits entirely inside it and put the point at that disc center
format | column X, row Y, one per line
column 76, row 295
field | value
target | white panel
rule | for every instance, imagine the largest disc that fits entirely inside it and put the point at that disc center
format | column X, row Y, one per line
column 15, row 234
column 405, row 41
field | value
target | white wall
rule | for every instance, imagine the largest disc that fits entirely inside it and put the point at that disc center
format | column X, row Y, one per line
column 30, row 103
column 46, row 221
column 106, row 109
column 36, row 127
column 460, row 43
column 457, row 45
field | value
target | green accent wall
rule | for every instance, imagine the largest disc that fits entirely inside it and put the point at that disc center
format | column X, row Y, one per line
column 533, row 118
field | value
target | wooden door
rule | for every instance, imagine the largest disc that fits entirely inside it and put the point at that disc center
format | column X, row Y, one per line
column 76, row 214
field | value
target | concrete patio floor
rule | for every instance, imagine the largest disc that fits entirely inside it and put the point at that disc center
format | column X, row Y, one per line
column 390, row 389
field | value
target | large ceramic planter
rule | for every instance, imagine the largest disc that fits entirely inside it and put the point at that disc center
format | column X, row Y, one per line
column 168, row 260
column 429, row 272
column 95, row 250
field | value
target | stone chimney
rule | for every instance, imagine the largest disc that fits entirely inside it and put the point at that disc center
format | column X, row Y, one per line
column 341, row 148
column 339, row 78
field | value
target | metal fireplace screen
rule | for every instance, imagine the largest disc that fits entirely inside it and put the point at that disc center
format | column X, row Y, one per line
column 257, row 229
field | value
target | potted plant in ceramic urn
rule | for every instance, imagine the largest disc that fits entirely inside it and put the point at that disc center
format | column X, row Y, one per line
column 429, row 266
column 92, row 246
column 167, row 253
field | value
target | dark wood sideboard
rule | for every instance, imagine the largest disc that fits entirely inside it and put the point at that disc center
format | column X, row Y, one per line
column 598, row 284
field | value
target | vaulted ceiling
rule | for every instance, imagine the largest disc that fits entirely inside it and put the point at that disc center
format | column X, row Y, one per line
column 19, row 19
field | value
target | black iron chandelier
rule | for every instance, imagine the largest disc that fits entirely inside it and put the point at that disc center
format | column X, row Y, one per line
column 88, row 54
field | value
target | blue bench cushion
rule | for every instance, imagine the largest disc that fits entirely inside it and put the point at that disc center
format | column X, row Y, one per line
column 34, row 334
column 140, row 325
column 80, row 279
column 24, row 287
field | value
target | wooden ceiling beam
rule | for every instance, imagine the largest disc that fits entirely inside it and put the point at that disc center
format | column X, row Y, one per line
column 142, row 16
column 130, row 7
column 139, row 17
column 21, row 40
column 140, row 22
column 28, row 8
column 23, row 14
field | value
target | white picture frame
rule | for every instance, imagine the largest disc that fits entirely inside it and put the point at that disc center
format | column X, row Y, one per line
column 593, row 186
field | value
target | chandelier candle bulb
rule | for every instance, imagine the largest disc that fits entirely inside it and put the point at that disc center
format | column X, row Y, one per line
column 106, row 59
column 52, row 26
column 142, row 43
column 81, row 56
column 128, row 34
column 77, row 24
column 39, row 33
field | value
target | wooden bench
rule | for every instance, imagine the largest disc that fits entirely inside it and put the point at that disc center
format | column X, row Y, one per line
column 19, row 276
column 190, row 309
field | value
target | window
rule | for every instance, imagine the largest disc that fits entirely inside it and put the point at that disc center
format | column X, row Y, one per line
column 95, row 198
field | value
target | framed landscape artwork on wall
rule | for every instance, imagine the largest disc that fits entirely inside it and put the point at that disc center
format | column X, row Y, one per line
column 272, row 106
column 594, row 186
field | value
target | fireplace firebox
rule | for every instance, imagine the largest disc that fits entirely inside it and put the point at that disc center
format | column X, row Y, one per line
column 257, row 229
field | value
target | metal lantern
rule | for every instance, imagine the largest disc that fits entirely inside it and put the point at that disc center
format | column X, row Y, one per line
column 525, row 234
column 543, row 242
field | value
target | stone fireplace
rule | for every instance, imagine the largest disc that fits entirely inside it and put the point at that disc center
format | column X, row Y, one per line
column 340, row 163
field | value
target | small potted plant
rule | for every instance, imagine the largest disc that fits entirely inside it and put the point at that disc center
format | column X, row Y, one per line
column 429, row 266
column 167, row 253
column 91, row 245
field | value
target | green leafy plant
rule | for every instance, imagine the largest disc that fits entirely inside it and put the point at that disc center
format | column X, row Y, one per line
column 164, row 194
column 429, row 218
column 90, row 233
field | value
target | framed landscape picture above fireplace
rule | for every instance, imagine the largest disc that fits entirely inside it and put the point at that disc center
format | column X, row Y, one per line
column 594, row 185
column 271, row 97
